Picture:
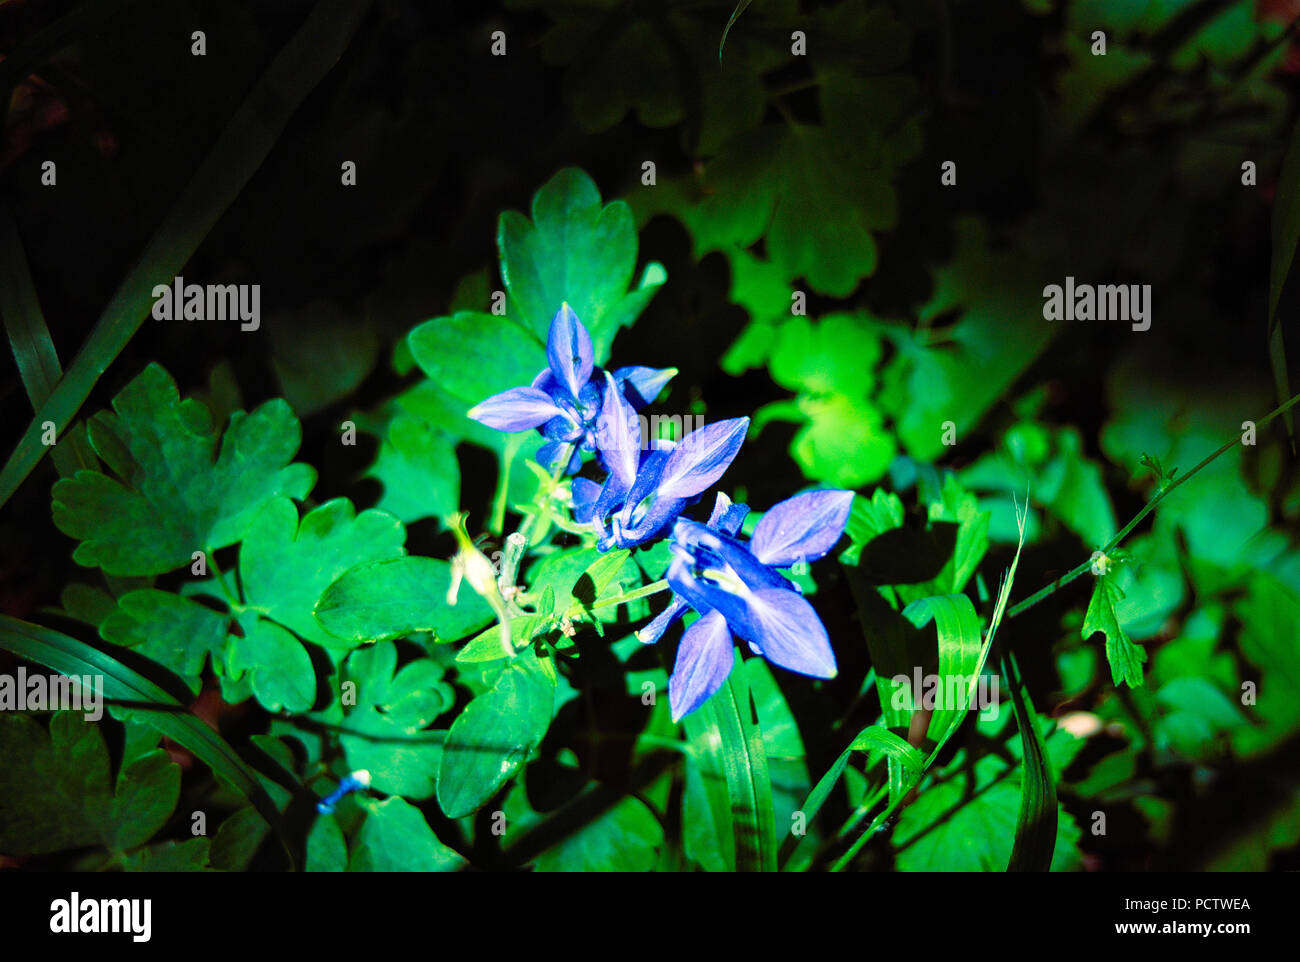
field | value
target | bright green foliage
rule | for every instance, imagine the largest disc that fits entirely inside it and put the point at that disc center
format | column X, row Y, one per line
column 624, row 839
column 493, row 737
column 327, row 849
column 1125, row 657
column 830, row 364
column 925, row 370
column 1051, row 466
column 966, row 821
column 417, row 466
column 573, row 250
column 396, row 838
column 394, row 598
column 59, row 794
column 279, row 669
column 385, row 727
column 178, row 486
column 285, row 564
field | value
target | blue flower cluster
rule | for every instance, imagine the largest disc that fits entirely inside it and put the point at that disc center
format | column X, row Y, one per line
column 735, row 586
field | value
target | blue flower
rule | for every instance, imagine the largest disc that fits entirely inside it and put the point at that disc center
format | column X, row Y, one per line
column 565, row 400
column 649, row 485
column 737, row 589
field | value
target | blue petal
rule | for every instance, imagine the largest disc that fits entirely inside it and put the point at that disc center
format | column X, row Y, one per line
column 704, row 661
column 618, row 436
column 518, row 409
column 785, row 627
column 585, row 493
column 710, row 549
column 654, row 630
column 699, row 593
column 802, row 528
column 644, row 525
column 549, row 454
column 568, row 348
column 641, row 385
column 727, row 517
column 701, row 458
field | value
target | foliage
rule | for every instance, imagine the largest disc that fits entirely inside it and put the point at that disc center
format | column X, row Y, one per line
column 438, row 578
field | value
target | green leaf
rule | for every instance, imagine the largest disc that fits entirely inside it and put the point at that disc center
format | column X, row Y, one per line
column 579, row 578
column 391, row 599
column 1125, row 657
column 843, row 441
column 1196, row 715
column 58, row 794
column 1036, row 824
column 596, row 579
column 385, row 731
column 905, row 762
column 71, row 657
column 961, row 654
column 417, row 466
column 962, row 509
column 285, row 565
column 870, row 518
column 707, row 836
column 175, row 632
column 237, row 840
column 626, row 838
column 487, row 645
column 441, row 345
column 175, row 491
column 953, row 826
column 190, row 855
column 228, row 164
column 327, row 850
column 492, row 737
column 280, row 670
column 575, row 251
column 728, row 746
column 396, row 838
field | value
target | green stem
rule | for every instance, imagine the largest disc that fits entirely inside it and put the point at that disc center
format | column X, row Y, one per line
column 644, row 591
column 1114, row 542
column 232, row 598
column 862, row 810
column 522, row 538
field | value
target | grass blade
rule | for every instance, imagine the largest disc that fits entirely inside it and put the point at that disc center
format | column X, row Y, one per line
column 68, row 656
column 731, row 22
column 1286, row 234
column 38, row 363
column 728, row 746
column 1036, row 823
column 999, row 612
column 238, row 152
